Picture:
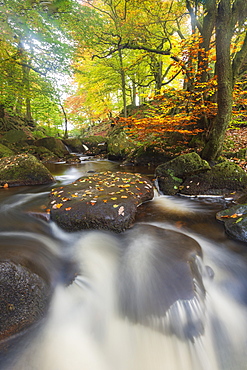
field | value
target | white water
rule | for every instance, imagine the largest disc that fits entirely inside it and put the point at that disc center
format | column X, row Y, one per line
column 86, row 330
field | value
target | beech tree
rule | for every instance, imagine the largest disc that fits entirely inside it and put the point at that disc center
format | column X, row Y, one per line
column 229, row 16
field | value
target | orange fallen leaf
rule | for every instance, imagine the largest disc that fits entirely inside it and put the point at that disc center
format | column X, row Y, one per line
column 68, row 209
column 6, row 185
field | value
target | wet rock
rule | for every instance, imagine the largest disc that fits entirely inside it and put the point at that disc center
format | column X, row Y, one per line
column 223, row 178
column 23, row 169
column 161, row 281
column 24, row 298
column 235, row 221
column 172, row 174
column 94, row 145
column 106, row 201
column 75, row 145
column 149, row 155
column 188, row 174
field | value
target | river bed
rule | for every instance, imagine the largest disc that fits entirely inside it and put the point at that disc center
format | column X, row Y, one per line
column 83, row 328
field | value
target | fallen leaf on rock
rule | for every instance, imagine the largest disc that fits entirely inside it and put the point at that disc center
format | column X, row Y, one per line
column 58, row 205
column 121, row 211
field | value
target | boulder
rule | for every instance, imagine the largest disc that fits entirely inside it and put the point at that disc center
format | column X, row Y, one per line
column 56, row 146
column 23, row 169
column 24, row 298
column 102, row 201
column 120, row 145
column 188, row 174
column 172, row 174
column 150, row 155
column 235, row 221
column 5, row 151
column 15, row 136
column 94, row 145
column 75, row 145
column 222, row 179
column 160, row 276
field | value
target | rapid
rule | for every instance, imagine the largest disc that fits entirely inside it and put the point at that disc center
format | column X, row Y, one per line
column 130, row 301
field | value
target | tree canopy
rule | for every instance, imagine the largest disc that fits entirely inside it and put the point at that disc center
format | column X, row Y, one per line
column 185, row 59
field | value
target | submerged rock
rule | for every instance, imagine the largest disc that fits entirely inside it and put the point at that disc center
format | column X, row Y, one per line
column 102, row 201
column 23, row 169
column 160, row 281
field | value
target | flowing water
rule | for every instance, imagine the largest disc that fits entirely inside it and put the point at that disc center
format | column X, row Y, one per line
column 124, row 301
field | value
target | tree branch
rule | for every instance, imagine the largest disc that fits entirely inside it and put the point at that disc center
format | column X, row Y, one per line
column 131, row 46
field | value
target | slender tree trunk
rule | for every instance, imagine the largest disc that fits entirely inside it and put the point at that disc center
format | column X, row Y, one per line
column 134, row 92
column 26, row 79
column 65, row 122
column 123, row 85
column 213, row 147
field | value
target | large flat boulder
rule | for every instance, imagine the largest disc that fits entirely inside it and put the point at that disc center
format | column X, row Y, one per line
column 106, row 201
column 23, row 169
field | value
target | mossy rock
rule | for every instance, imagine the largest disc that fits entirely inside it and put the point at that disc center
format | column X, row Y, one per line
column 119, row 145
column 235, row 221
column 148, row 155
column 23, row 169
column 15, row 136
column 5, row 151
column 41, row 153
column 56, row 146
column 223, row 178
column 75, row 145
column 94, row 145
column 171, row 174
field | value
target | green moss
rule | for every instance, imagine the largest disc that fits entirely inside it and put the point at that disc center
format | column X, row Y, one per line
column 15, row 136
column 23, row 169
column 5, row 151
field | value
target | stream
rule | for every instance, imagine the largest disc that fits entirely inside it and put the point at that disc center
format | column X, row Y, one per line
column 84, row 328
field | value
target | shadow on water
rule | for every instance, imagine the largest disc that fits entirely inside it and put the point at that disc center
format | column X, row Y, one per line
column 170, row 293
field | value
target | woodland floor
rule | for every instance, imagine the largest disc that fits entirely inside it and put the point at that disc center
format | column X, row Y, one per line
column 238, row 139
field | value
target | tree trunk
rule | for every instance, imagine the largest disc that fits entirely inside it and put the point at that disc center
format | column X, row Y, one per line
column 2, row 112
column 213, row 147
column 123, row 85
column 65, row 122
